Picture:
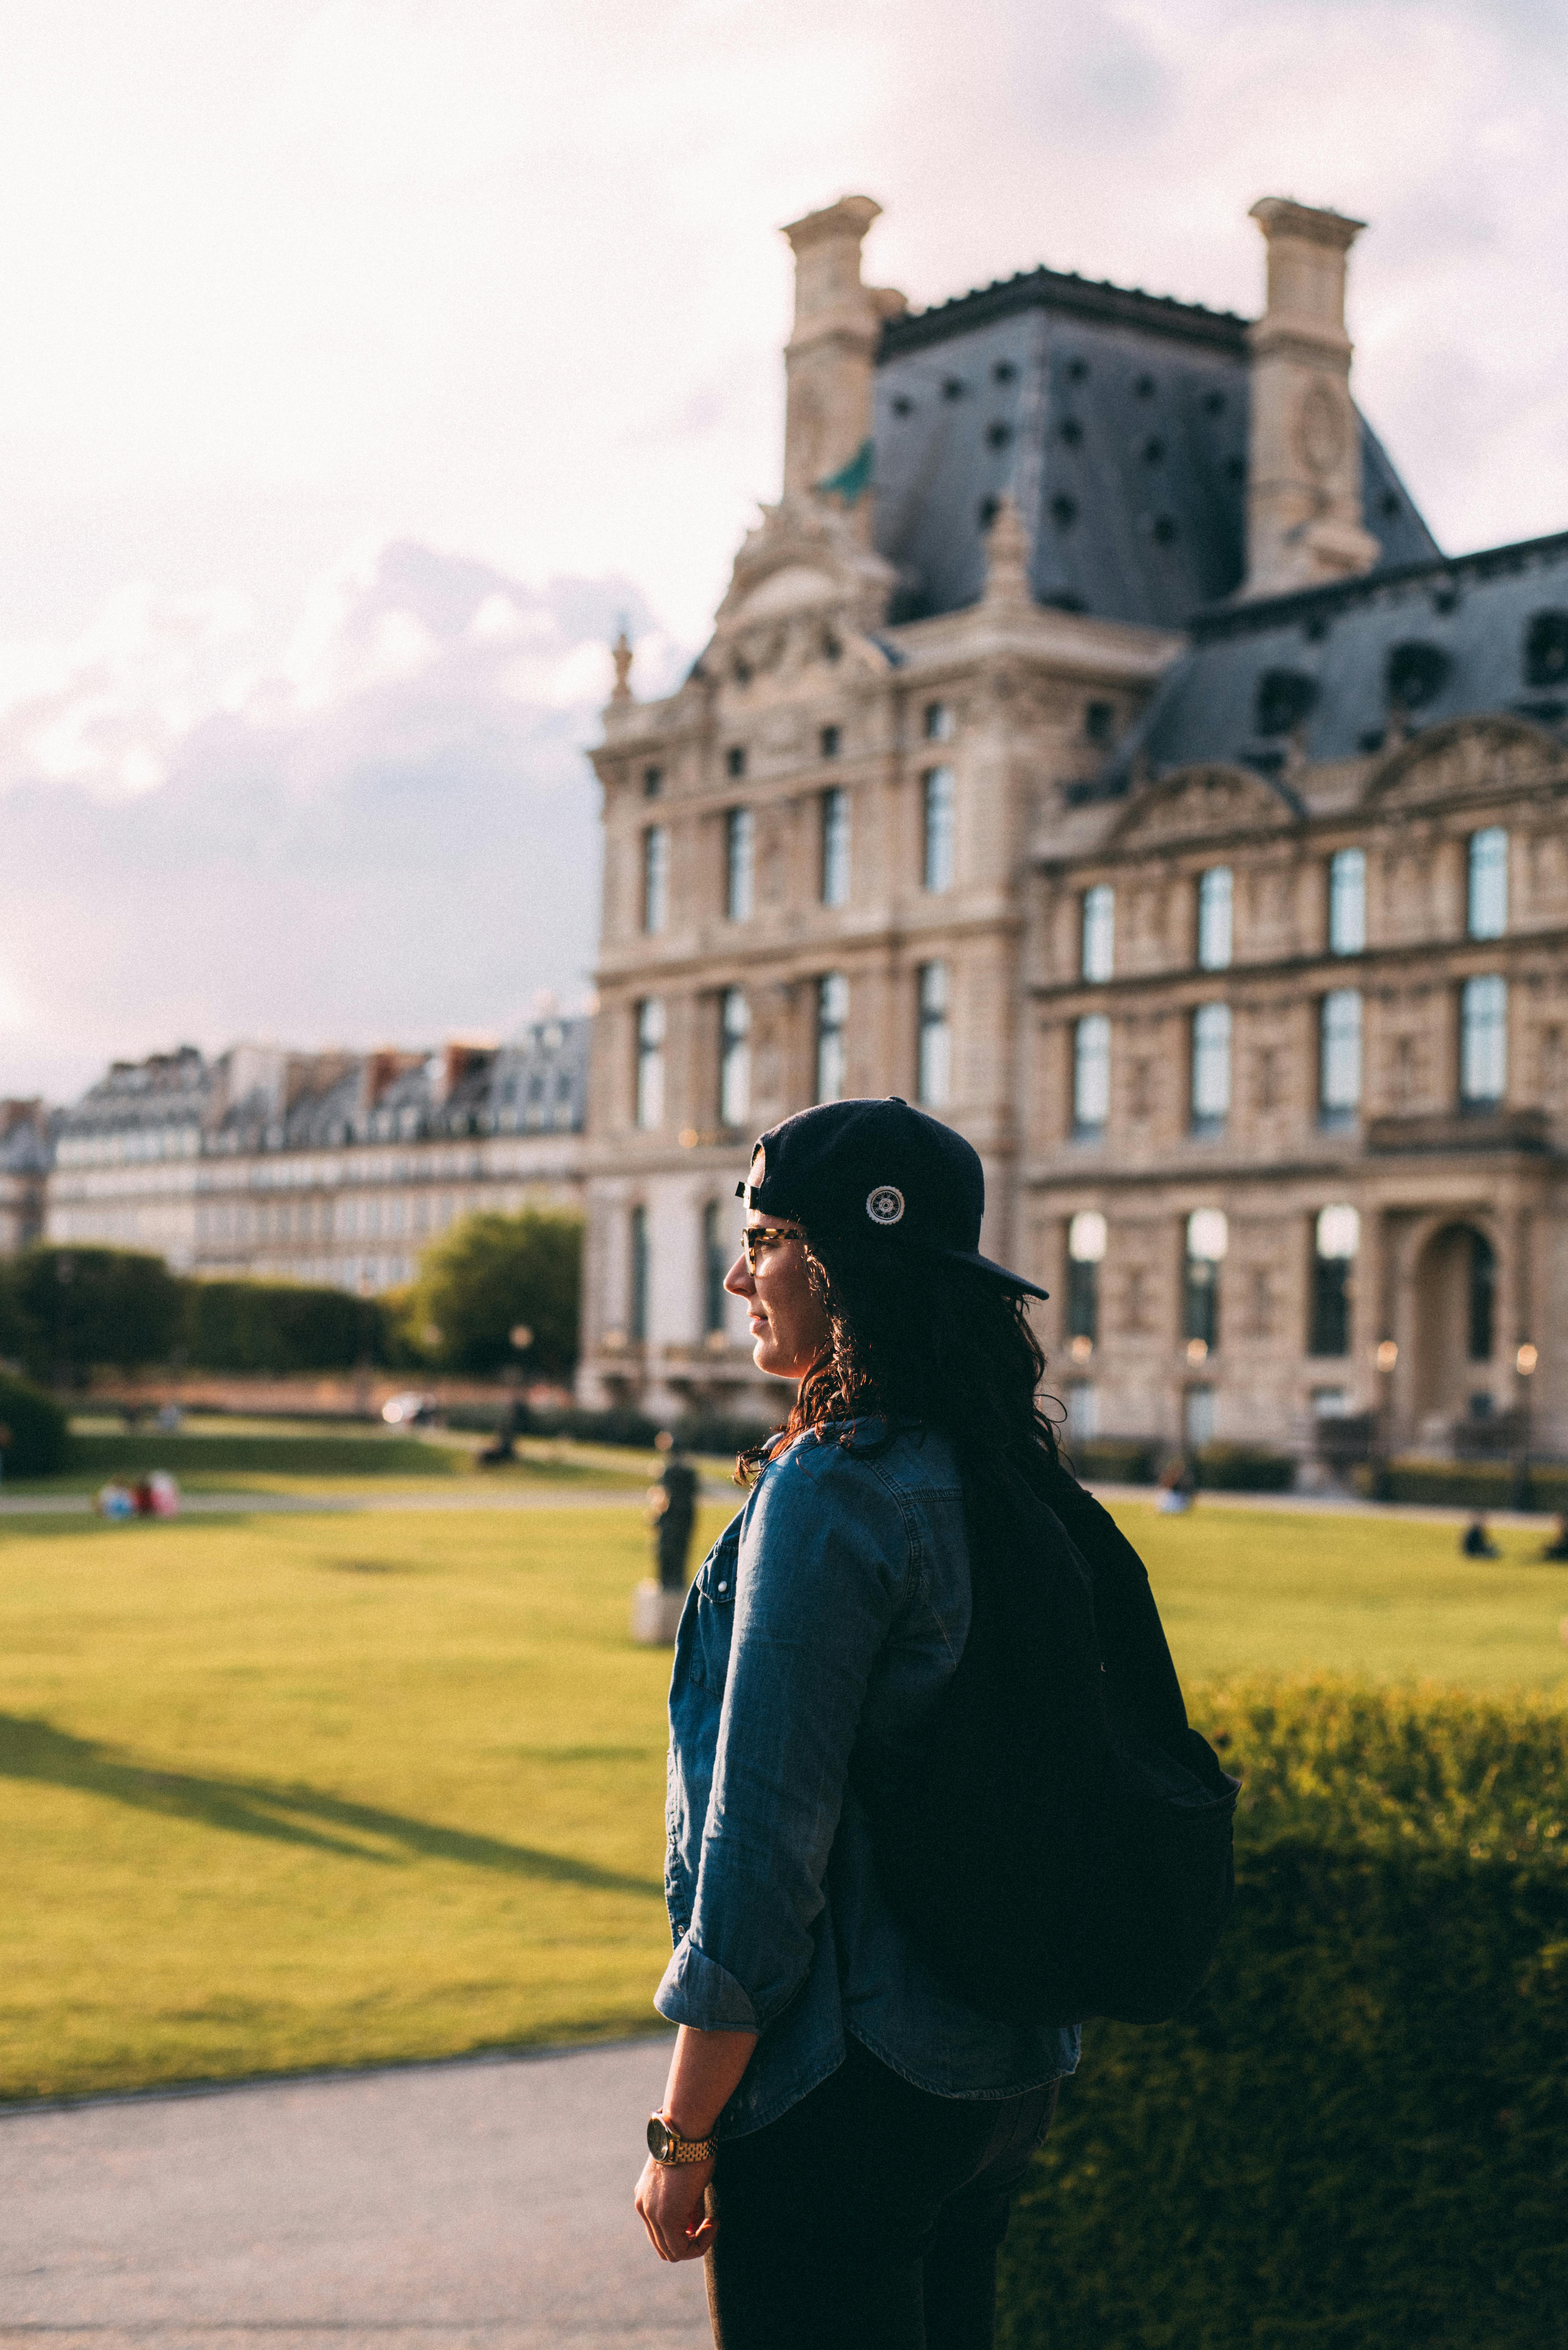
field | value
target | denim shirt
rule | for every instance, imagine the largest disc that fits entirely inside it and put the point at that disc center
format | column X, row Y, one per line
column 832, row 1610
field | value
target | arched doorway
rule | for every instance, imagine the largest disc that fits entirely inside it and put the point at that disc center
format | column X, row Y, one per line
column 1456, row 1323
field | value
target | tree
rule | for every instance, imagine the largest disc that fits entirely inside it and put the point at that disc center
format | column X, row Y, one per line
column 85, row 1307
column 491, row 1274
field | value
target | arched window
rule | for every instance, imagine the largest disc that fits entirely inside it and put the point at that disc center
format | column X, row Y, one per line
column 1085, row 1253
column 1336, row 1243
column 1207, row 1241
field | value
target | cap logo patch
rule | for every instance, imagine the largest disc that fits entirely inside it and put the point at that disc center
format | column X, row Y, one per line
column 885, row 1205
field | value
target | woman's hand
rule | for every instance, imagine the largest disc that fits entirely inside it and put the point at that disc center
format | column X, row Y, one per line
column 671, row 2199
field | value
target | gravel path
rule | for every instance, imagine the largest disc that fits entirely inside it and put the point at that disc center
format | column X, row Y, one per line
column 487, row 2203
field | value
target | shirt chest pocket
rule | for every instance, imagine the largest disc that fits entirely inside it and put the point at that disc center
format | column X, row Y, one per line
column 715, row 1612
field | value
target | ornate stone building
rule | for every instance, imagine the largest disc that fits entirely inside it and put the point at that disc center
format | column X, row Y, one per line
column 1094, row 744
column 335, row 1168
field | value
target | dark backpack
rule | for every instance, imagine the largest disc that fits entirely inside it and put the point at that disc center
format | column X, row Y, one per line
column 1055, row 1838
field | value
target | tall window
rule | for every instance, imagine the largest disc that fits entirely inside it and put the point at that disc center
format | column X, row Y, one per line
column 832, row 1021
column 1085, row 1253
column 1214, row 919
column 1336, row 1243
column 715, row 1264
column 1210, row 1068
column 1339, row 1056
column 655, row 878
column 938, row 867
column 1481, row 1317
column 939, row 722
column 1207, row 1240
column 1347, row 901
column 1099, row 932
column 651, row 1063
column 1487, row 898
column 1091, row 1074
column 740, row 837
column 734, row 1057
column 636, row 1282
column 1197, row 1418
column 934, row 1073
column 835, row 847
column 1483, row 1041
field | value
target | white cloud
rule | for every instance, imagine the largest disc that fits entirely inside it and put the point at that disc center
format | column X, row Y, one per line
column 389, row 832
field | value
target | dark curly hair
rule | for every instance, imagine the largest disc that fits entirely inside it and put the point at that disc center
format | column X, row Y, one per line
column 920, row 1338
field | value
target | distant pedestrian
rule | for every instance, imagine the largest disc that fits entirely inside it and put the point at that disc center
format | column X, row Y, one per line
column 1476, row 1541
column 1558, row 1547
column 1177, row 1484
column 674, row 1501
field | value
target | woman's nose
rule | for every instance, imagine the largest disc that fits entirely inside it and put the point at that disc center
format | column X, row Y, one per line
column 738, row 1280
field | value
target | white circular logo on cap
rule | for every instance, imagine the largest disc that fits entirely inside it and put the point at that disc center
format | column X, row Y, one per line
column 885, row 1205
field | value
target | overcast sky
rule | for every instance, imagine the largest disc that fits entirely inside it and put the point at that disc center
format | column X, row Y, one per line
column 362, row 360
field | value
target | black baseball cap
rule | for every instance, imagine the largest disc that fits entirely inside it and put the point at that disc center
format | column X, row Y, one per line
column 856, row 1167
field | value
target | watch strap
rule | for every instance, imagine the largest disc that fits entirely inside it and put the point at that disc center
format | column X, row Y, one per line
column 666, row 2146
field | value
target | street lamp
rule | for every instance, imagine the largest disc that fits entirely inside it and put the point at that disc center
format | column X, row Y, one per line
column 1524, row 1363
column 1386, row 1359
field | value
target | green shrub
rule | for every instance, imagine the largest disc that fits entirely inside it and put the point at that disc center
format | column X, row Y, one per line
column 1466, row 1485
column 1357, row 2137
column 1243, row 1469
column 36, row 1439
column 85, row 1307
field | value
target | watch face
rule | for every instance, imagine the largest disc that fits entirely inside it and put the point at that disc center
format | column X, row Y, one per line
column 661, row 2139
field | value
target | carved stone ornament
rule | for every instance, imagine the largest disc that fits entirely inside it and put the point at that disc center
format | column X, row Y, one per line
column 1465, row 756
column 1320, row 428
column 1197, row 801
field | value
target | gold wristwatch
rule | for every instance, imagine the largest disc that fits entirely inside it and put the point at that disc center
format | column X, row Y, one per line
column 666, row 2146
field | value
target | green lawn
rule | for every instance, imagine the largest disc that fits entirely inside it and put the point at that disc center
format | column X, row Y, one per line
column 327, row 1791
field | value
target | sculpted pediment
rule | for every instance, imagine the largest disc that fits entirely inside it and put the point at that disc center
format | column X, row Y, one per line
column 803, row 555
column 792, row 588
column 1197, row 801
column 1466, row 757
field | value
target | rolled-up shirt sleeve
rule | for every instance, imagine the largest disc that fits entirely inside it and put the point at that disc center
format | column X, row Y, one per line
column 826, row 1562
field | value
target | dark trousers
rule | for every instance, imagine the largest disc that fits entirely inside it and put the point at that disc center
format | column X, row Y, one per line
column 868, row 2217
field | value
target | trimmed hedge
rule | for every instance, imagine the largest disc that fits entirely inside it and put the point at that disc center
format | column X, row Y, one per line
column 39, row 1431
column 1243, row 1469
column 1465, row 1485
column 1357, row 2137
column 1118, row 1459
column 1222, row 1468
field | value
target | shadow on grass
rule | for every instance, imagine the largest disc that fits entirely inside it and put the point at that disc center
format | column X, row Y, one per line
column 293, row 1814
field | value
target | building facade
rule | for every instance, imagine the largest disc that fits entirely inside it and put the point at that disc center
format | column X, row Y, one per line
column 1093, row 686
column 331, row 1168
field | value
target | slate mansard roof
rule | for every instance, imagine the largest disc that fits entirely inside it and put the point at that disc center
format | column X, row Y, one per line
column 183, row 1103
column 1117, row 421
column 1325, row 673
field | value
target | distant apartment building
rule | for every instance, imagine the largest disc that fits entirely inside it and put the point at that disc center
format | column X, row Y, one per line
column 25, row 1150
column 333, row 1168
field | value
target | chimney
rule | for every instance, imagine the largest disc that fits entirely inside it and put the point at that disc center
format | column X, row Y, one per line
column 1303, row 464
column 829, row 358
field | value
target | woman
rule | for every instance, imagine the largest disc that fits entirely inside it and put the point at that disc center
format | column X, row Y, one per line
column 840, row 2137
